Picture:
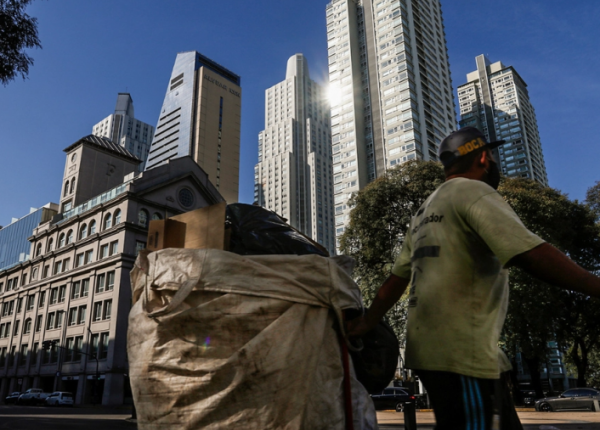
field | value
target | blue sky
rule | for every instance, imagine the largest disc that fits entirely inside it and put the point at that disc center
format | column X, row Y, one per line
column 93, row 50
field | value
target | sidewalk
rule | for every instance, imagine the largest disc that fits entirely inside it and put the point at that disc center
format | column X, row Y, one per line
column 527, row 418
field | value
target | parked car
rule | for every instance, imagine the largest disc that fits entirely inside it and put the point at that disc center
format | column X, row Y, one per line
column 528, row 397
column 392, row 398
column 33, row 396
column 60, row 398
column 576, row 398
column 12, row 397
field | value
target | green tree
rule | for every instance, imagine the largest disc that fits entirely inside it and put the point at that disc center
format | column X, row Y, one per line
column 592, row 198
column 17, row 32
column 378, row 223
column 537, row 312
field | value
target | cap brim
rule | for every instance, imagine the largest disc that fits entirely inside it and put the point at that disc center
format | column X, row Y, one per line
column 496, row 144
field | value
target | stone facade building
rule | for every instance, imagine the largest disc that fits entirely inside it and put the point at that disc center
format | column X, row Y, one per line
column 75, row 288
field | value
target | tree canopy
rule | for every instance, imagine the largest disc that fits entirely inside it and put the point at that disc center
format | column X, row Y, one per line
column 538, row 313
column 378, row 223
column 17, row 32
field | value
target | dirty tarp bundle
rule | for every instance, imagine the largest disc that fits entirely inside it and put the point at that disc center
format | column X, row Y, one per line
column 222, row 341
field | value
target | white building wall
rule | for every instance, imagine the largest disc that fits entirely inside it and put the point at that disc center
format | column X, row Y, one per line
column 293, row 174
column 391, row 89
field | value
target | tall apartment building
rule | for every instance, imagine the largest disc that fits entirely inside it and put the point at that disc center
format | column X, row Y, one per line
column 200, row 117
column 293, row 174
column 75, row 288
column 391, row 92
column 122, row 128
column 496, row 101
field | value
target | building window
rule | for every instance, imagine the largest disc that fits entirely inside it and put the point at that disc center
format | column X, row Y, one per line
column 73, row 186
column 92, row 227
column 38, row 250
column 53, row 296
column 34, row 273
column 30, row 302
column 70, row 237
column 42, row 299
column 62, row 292
column 107, row 222
column 186, row 198
column 61, row 240
column 117, row 216
column 156, row 216
column 34, row 354
column 88, row 256
column 104, row 251
column 23, row 355
column 83, row 231
column 79, row 260
column 66, row 190
column 46, row 271
column 38, row 323
column 143, row 218
column 16, row 331
column 139, row 245
column 114, row 246
column 50, row 321
column 50, row 245
column 27, row 326
column 60, row 315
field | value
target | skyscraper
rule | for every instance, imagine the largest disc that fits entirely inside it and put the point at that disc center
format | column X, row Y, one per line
column 122, row 128
column 390, row 89
column 496, row 101
column 293, row 174
column 200, row 117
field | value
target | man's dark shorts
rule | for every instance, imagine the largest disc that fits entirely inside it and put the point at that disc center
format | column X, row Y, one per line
column 465, row 403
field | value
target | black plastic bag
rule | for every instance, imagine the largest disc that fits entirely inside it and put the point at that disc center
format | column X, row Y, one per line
column 259, row 231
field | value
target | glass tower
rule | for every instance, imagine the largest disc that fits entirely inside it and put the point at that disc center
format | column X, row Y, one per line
column 200, row 117
column 496, row 101
column 390, row 89
column 293, row 174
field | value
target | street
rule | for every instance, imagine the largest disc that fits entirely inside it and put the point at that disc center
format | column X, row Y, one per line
column 101, row 418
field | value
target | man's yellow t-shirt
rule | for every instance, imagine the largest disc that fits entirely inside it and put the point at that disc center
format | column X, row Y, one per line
column 454, row 254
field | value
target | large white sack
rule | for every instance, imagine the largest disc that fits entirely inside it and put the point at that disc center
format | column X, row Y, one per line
column 222, row 341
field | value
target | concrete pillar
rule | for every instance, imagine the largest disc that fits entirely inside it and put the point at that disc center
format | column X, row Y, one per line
column 3, row 389
column 12, row 386
column 113, row 389
column 80, row 389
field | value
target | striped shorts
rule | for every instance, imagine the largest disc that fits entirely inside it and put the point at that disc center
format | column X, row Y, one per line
column 465, row 403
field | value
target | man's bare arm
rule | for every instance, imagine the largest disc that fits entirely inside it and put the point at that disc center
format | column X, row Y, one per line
column 547, row 263
column 389, row 293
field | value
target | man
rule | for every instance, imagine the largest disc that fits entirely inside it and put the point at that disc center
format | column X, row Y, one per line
column 455, row 258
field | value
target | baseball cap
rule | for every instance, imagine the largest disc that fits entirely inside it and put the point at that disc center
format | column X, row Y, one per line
column 462, row 142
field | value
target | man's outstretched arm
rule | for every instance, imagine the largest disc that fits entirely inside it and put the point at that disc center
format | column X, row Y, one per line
column 389, row 293
column 547, row 263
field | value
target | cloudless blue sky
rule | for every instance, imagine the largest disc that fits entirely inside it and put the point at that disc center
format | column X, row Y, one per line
column 94, row 49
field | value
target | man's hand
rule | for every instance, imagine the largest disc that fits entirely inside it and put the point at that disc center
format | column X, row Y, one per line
column 357, row 327
column 387, row 296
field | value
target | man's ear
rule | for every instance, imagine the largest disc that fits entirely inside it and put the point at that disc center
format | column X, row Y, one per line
column 483, row 157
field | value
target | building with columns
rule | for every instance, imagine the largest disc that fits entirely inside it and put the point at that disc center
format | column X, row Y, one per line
column 293, row 176
column 75, row 288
